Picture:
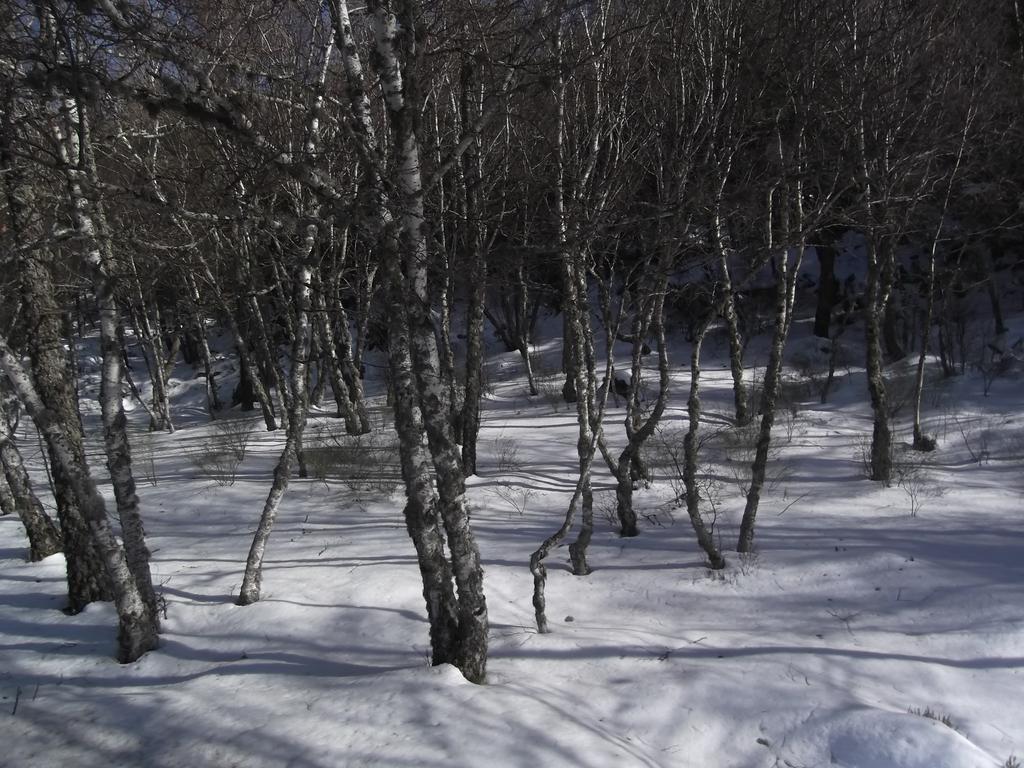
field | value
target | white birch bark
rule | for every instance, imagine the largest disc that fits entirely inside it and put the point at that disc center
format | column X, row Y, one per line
column 75, row 154
column 298, row 406
column 788, row 270
column 298, row 402
column 691, row 445
column 86, row 573
column 329, row 356
column 138, row 629
column 410, row 246
column 160, row 407
column 245, row 359
column 469, row 418
column 627, row 469
column 7, row 501
column 213, row 402
column 43, row 534
column 422, row 510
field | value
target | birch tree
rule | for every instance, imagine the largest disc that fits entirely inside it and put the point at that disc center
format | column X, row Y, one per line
column 87, row 576
column 43, row 534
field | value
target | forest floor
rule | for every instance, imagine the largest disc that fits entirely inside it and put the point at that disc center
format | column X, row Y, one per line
column 873, row 627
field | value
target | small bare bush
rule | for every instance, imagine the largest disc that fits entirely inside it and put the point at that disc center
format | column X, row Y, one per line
column 910, row 471
column 517, row 498
column 506, row 454
column 220, row 466
column 738, row 447
column 233, row 436
column 222, row 453
column 144, row 458
column 900, row 387
column 664, row 455
column 364, row 463
column 549, row 389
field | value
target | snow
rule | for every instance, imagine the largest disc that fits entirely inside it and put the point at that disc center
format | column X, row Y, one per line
column 853, row 621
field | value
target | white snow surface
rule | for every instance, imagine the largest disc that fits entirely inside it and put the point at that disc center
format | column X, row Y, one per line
column 844, row 641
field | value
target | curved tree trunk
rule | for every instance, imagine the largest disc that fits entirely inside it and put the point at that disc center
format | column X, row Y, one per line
column 87, row 576
column 410, row 244
column 786, row 282
column 629, row 466
column 7, row 504
column 90, row 223
column 690, row 456
column 298, row 404
column 43, row 533
column 475, row 251
column 137, row 631
column 329, row 357
column 422, row 514
column 828, row 289
column 213, row 401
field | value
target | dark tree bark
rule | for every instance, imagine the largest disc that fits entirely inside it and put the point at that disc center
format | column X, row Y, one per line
column 881, row 434
column 477, row 257
column 298, row 404
column 138, row 628
column 691, row 449
column 828, row 289
column 87, row 576
column 329, row 358
column 43, row 534
column 74, row 141
column 628, row 470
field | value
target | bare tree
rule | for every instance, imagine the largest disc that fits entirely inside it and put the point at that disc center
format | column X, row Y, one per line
column 43, row 534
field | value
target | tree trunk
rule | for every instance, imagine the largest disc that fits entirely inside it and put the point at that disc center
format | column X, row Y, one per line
column 691, row 457
column 298, row 404
column 43, row 533
column 828, row 289
column 475, row 253
column 402, row 240
column 784, row 302
column 630, row 469
column 138, row 628
column 992, row 287
column 342, row 397
column 881, row 436
column 422, row 515
column 924, row 442
column 739, row 390
column 154, row 356
column 350, row 371
column 247, row 369
column 7, row 505
column 470, row 416
column 213, row 401
column 268, row 357
column 791, row 224
column 569, row 392
column 90, row 223
column 87, row 576
column 411, row 245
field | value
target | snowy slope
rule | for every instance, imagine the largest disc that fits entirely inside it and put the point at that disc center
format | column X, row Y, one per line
column 844, row 641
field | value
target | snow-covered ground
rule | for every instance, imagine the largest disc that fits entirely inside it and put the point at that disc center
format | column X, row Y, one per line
column 867, row 617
